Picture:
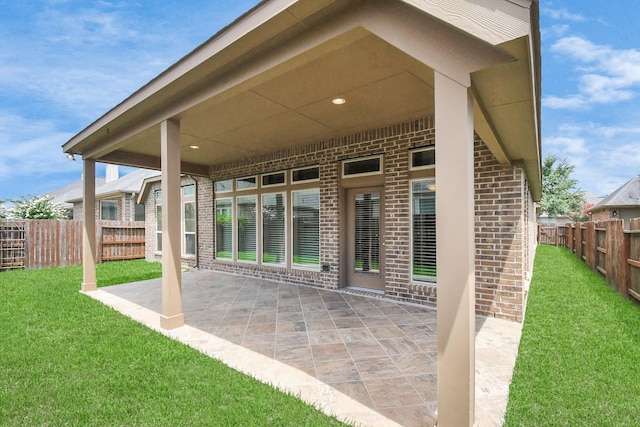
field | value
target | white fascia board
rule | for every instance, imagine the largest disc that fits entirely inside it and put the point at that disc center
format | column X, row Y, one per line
column 493, row 21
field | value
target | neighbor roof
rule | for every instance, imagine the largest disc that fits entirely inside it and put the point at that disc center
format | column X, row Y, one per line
column 628, row 195
column 129, row 183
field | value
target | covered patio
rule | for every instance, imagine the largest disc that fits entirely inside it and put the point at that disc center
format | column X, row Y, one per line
column 367, row 360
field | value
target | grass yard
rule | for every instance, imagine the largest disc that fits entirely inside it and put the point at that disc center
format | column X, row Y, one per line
column 579, row 357
column 66, row 359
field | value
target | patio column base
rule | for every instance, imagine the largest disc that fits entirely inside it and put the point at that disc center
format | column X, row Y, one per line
column 171, row 322
column 88, row 287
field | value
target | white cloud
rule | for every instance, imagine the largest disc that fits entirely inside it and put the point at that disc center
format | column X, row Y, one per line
column 563, row 14
column 31, row 148
column 569, row 145
column 605, row 75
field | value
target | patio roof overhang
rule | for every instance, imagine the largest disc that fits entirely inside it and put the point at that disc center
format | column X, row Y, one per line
column 266, row 82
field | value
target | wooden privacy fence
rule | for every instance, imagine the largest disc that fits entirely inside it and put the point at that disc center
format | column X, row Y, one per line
column 34, row 244
column 606, row 247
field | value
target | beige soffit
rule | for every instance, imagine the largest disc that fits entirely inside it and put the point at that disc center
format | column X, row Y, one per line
column 282, row 40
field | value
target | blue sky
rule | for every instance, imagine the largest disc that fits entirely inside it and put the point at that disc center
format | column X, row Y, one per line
column 64, row 63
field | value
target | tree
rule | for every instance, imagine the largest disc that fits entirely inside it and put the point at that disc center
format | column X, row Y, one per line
column 560, row 195
column 3, row 211
column 36, row 207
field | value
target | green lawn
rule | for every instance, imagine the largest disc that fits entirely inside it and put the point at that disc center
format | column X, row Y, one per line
column 579, row 358
column 66, row 359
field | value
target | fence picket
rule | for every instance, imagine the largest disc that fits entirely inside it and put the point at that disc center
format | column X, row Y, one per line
column 35, row 244
column 605, row 247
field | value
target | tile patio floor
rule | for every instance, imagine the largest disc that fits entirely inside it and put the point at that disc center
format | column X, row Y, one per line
column 367, row 360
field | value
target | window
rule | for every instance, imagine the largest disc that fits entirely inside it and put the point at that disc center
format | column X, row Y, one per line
column 159, row 221
column 306, row 228
column 273, row 179
column 109, row 210
column 246, row 183
column 274, row 239
column 423, row 223
column 305, row 174
column 189, row 220
column 359, row 167
column 247, row 228
column 223, row 186
column 139, row 212
column 224, row 228
column 423, row 158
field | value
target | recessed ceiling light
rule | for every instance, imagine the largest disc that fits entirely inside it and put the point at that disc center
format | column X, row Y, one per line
column 194, row 147
column 338, row 101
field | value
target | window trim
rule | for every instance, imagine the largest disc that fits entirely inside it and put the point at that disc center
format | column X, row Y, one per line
column 418, row 150
column 431, row 280
column 188, row 198
column 295, row 265
column 304, row 181
column 380, row 170
column 263, row 185
column 216, row 191
column 255, row 186
column 233, row 228
column 237, row 231
column 286, row 230
column 117, row 209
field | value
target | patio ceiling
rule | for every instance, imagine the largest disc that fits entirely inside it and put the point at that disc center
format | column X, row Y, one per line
column 258, row 87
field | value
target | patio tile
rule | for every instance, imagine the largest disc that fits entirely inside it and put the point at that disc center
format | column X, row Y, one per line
column 320, row 325
column 355, row 390
column 382, row 332
column 414, row 364
column 292, row 339
column 288, row 327
column 392, row 392
column 365, row 349
column 378, row 352
column 335, row 351
column 334, row 371
column 293, row 353
column 402, row 345
column 356, row 334
column 377, row 367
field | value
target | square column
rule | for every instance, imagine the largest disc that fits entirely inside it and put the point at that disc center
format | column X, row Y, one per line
column 89, row 226
column 172, row 316
column 455, row 259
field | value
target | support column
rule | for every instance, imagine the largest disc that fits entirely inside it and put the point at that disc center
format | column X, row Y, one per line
column 89, row 226
column 455, row 253
column 172, row 316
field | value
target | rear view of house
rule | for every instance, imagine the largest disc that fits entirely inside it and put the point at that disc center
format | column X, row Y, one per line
column 384, row 147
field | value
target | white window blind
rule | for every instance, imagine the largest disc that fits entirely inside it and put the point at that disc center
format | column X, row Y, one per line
column 367, row 229
column 306, row 228
column 273, row 228
column 224, row 228
column 424, row 230
column 247, row 228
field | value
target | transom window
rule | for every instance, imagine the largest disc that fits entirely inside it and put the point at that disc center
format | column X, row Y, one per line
column 273, row 179
column 223, row 186
column 246, row 183
column 360, row 167
column 423, row 158
column 305, row 174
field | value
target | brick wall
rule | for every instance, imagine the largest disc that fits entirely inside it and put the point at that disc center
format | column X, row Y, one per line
column 504, row 213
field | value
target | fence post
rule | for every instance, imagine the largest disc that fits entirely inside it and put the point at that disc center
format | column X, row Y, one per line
column 617, row 254
column 590, row 244
column 571, row 237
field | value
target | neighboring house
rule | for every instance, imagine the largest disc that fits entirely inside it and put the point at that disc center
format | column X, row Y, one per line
column 116, row 198
column 624, row 203
column 387, row 146
column 60, row 196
